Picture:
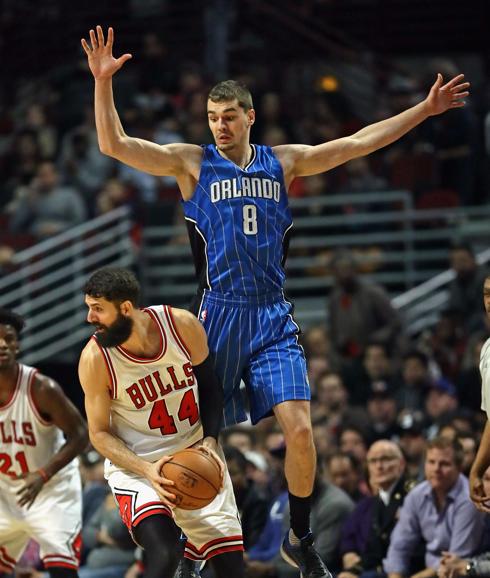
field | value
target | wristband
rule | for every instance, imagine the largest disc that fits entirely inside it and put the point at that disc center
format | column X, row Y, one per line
column 43, row 474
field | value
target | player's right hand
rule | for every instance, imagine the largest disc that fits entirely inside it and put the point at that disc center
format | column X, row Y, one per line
column 161, row 485
column 477, row 494
column 99, row 52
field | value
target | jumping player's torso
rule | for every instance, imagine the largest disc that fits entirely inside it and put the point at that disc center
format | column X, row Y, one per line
column 239, row 223
column 27, row 440
column 155, row 401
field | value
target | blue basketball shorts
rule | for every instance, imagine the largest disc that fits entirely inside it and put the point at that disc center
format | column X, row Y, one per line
column 254, row 340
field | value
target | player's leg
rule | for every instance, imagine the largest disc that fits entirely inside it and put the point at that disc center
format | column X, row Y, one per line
column 159, row 536
column 300, row 464
column 228, row 564
column 61, row 572
column 277, row 382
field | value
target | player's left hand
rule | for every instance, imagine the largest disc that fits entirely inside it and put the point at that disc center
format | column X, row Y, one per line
column 442, row 97
column 33, row 484
column 209, row 446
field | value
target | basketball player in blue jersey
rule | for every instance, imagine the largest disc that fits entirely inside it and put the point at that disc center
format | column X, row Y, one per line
column 235, row 203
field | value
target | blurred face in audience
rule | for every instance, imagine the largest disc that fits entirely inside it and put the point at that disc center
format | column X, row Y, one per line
column 342, row 474
column 463, row 262
column 240, row 440
column 331, row 392
column 441, row 470
column 353, row 443
column 376, row 362
column 469, row 454
column 413, row 445
column 385, row 464
column 414, row 371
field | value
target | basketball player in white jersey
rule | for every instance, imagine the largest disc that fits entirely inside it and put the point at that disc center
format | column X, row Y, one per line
column 482, row 460
column 150, row 391
column 40, row 487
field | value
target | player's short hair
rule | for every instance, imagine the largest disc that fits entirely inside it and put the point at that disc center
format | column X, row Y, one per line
column 8, row 317
column 229, row 90
column 114, row 284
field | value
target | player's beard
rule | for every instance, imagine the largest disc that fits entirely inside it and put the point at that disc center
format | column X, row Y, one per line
column 115, row 334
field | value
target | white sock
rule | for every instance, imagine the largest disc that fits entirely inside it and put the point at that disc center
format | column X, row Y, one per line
column 293, row 539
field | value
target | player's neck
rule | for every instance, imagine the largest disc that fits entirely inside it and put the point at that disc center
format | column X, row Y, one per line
column 8, row 378
column 240, row 156
column 145, row 339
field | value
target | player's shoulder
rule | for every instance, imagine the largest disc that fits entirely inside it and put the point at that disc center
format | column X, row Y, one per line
column 91, row 353
column 485, row 350
column 183, row 319
column 190, row 154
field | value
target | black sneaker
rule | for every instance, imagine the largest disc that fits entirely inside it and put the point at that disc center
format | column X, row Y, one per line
column 188, row 569
column 304, row 557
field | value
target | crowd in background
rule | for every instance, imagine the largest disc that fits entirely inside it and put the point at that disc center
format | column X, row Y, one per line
column 370, row 381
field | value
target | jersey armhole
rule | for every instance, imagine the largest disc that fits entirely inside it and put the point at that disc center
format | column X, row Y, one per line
column 32, row 400
column 175, row 332
column 110, row 369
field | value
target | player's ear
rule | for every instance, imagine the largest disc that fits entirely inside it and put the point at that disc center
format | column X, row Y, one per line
column 251, row 116
column 126, row 308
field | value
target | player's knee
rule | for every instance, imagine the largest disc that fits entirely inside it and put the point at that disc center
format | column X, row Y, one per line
column 61, row 572
column 300, row 437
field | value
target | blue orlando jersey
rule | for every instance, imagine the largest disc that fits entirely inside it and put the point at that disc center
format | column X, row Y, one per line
column 239, row 222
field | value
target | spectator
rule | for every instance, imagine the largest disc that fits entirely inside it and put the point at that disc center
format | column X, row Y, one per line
column 353, row 439
column 377, row 366
column 439, row 511
column 413, row 442
column 359, row 311
column 111, row 548
column 48, row 208
column 453, row 566
column 344, row 471
column 440, row 404
column 95, row 487
column 416, row 378
column 470, row 447
column 382, row 411
column 366, row 532
column 332, row 404
column 252, row 504
column 466, row 288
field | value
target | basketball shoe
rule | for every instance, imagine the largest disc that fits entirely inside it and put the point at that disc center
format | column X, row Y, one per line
column 304, row 557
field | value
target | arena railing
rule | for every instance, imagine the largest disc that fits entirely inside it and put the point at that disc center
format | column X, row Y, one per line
column 46, row 279
column 397, row 246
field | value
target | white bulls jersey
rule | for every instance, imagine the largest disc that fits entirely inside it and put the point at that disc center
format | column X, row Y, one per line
column 155, row 401
column 485, row 377
column 27, row 441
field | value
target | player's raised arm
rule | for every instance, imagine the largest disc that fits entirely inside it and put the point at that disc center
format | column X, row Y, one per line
column 141, row 154
column 303, row 160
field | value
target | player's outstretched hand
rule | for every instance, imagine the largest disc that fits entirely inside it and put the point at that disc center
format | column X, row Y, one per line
column 99, row 52
column 33, row 484
column 442, row 97
column 161, row 485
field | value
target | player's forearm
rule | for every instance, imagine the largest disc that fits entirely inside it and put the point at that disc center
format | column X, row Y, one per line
column 482, row 460
column 118, row 453
column 76, row 442
column 385, row 132
column 109, row 128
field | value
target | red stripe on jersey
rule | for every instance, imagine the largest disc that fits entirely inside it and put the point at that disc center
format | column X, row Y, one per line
column 60, row 565
column 163, row 511
column 32, row 400
column 163, row 343
column 175, row 331
column 5, row 558
column 223, row 540
column 110, row 369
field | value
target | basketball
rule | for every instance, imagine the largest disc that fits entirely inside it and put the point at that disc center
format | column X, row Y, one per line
column 197, row 478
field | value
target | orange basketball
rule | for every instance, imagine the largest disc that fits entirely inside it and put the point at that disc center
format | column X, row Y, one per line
column 197, row 478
